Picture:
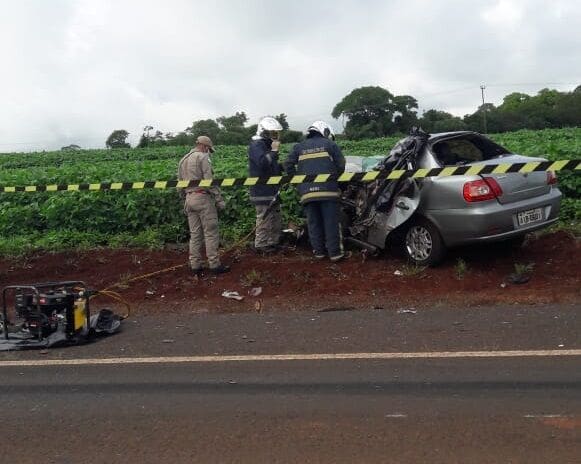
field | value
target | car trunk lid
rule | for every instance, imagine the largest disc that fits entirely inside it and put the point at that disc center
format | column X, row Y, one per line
column 517, row 186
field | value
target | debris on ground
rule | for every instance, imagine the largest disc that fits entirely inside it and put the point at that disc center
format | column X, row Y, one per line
column 407, row 311
column 398, row 273
column 364, row 255
column 337, row 309
column 256, row 291
column 232, row 295
column 519, row 279
column 522, row 273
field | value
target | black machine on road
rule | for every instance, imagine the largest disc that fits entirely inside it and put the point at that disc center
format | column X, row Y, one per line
column 52, row 314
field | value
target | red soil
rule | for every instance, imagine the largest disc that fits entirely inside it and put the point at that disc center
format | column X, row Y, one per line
column 294, row 280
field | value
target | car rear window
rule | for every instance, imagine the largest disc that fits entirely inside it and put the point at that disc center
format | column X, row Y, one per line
column 466, row 149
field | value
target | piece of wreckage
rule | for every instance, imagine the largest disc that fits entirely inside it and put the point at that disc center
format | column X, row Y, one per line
column 53, row 314
column 371, row 211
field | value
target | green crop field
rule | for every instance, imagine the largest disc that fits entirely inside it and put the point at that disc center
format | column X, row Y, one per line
column 150, row 218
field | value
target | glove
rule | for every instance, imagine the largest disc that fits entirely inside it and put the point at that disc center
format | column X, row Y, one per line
column 221, row 205
column 275, row 145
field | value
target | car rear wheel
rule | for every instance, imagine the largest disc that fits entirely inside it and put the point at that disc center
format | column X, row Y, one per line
column 423, row 244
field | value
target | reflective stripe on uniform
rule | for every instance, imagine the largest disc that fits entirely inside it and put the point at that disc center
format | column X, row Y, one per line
column 311, row 195
column 308, row 156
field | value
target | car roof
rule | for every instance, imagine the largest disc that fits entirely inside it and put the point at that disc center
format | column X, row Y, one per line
column 447, row 135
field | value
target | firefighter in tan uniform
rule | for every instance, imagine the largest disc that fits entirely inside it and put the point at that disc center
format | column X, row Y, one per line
column 201, row 207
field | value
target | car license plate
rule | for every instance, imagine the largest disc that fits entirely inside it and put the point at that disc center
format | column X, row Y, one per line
column 530, row 216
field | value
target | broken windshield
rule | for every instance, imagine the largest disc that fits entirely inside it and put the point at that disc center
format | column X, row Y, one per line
column 465, row 149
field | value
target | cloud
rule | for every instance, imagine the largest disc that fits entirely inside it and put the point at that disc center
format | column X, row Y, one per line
column 77, row 70
column 505, row 13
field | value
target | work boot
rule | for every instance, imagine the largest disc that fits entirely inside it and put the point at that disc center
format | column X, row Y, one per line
column 266, row 250
column 197, row 271
column 340, row 257
column 221, row 269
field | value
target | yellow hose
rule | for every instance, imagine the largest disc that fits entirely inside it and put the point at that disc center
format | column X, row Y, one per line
column 116, row 297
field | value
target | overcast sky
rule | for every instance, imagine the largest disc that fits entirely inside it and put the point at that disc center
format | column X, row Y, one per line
column 74, row 70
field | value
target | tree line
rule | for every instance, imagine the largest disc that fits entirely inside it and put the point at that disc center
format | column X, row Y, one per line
column 373, row 112
column 225, row 130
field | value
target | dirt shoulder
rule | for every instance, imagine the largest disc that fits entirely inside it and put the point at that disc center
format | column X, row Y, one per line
column 295, row 281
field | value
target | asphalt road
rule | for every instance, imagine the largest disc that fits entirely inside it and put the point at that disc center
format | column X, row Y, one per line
column 506, row 407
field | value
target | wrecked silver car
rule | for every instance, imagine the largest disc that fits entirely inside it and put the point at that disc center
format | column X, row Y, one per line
column 427, row 216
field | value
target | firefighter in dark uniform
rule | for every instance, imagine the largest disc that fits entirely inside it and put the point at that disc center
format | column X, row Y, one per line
column 263, row 162
column 319, row 154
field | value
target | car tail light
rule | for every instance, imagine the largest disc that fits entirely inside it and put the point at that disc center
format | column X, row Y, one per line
column 481, row 190
column 551, row 178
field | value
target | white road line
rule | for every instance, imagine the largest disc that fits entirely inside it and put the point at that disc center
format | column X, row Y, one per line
column 290, row 357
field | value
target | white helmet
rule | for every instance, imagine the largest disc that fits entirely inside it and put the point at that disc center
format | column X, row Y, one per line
column 266, row 127
column 322, row 128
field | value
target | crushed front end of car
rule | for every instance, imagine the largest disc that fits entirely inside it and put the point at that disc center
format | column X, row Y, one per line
column 372, row 210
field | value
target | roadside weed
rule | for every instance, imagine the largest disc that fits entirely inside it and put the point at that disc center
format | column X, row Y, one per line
column 412, row 270
column 460, row 268
column 254, row 278
column 523, row 269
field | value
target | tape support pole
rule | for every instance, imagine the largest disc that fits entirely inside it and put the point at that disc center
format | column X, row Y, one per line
column 506, row 168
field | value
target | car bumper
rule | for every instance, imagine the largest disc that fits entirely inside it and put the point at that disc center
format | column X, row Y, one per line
column 491, row 221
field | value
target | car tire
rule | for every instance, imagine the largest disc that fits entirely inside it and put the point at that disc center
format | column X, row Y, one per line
column 423, row 244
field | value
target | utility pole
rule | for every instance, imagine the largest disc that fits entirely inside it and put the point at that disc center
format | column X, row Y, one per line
column 482, row 87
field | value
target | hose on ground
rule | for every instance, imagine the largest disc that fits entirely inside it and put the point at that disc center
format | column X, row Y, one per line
column 116, row 296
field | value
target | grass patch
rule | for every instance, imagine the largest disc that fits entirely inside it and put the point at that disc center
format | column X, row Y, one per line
column 412, row 270
column 254, row 278
column 523, row 269
column 460, row 268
